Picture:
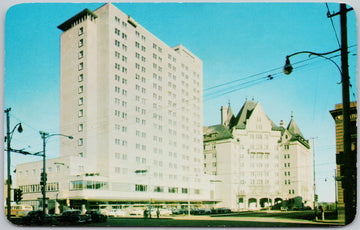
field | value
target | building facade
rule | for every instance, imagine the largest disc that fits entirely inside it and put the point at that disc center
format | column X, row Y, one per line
column 255, row 163
column 134, row 107
column 339, row 129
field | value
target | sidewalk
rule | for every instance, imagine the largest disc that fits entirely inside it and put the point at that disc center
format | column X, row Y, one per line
column 261, row 219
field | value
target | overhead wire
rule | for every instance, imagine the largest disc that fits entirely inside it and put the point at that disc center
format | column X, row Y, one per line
column 230, row 89
column 332, row 23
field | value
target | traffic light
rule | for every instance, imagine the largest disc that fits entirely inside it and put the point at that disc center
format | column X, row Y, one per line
column 18, row 195
column 42, row 179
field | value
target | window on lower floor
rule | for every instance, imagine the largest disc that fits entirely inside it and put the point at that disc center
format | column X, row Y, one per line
column 140, row 188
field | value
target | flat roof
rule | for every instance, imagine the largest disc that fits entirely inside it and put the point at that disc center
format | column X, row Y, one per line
column 68, row 24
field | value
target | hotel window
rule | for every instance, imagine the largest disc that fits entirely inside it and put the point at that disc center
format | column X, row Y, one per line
column 140, row 188
column 81, row 113
column 81, row 89
column 137, row 44
column 81, row 31
column 173, row 190
column 124, row 47
column 81, row 128
column 124, row 24
column 81, row 66
column 81, row 77
column 81, row 101
column 124, row 59
column 117, row 31
column 124, row 36
column 81, row 142
column 81, row 42
column 81, row 54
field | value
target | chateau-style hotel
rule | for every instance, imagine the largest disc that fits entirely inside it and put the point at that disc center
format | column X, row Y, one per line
column 135, row 109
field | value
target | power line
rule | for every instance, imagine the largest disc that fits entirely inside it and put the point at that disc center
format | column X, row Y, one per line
column 332, row 23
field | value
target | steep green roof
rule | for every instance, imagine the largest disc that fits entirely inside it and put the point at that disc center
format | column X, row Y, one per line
column 296, row 133
column 216, row 132
column 245, row 112
column 294, row 129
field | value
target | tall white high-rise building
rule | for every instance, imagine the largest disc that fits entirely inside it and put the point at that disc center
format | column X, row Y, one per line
column 134, row 107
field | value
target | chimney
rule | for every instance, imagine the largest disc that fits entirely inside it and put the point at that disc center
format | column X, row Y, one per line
column 282, row 124
column 224, row 111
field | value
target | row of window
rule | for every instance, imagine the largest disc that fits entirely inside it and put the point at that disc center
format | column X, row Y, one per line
column 81, row 87
column 36, row 172
column 88, row 184
column 36, row 188
column 144, row 188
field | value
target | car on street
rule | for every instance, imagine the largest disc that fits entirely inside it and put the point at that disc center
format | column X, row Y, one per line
column 35, row 217
column 73, row 216
column 221, row 210
column 96, row 216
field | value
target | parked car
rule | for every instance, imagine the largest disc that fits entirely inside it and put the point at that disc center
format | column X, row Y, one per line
column 221, row 210
column 35, row 217
column 96, row 216
column 73, row 216
column 165, row 212
column 117, row 213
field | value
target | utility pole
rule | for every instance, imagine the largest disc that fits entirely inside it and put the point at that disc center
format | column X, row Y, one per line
column 44, row 135
column 349, row 181
column 8, row 206
column 350, row 161
column 314, row 182
column 9, row 150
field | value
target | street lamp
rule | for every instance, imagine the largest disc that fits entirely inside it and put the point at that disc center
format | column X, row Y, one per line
column 8, row 141
column 288, row 67
column 45, row 136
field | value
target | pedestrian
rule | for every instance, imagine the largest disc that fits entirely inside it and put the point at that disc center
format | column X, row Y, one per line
column 322, row 211
column 158, row 213
column 145, row 213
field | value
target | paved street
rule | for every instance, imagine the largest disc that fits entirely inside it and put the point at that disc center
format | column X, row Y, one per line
column 206, row 221
column 245, row 219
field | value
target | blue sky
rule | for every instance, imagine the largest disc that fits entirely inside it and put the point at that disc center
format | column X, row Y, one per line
column 234, row 41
